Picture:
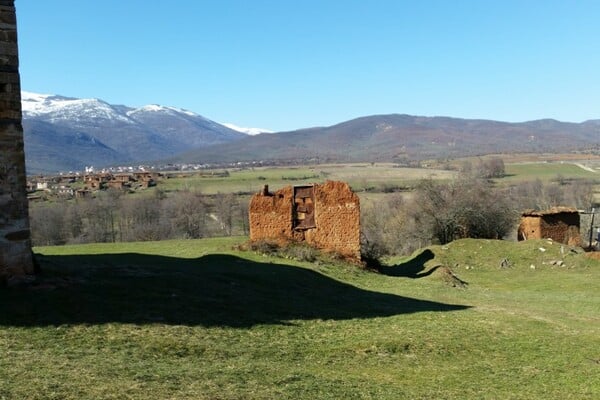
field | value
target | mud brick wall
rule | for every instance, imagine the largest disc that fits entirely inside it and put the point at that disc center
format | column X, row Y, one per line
column 337, row 219
column 270, row 216
column 15, row 243
column 560, row 226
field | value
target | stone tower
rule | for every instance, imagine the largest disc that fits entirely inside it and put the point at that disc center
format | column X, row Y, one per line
column 15, row 243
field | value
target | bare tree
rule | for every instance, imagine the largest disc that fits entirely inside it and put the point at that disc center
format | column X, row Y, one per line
column 225, row 207
column 389, row 226
column 73, row 223
column 243, row 205
column 187, row 213
column 491, row 168
column 47, row 226
column 581, row 194
column 142, row 219
column 462, row 208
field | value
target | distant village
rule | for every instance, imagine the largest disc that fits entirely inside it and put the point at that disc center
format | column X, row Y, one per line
column 81, row 185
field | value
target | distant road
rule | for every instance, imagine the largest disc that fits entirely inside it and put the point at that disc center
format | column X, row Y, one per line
column 585, row 167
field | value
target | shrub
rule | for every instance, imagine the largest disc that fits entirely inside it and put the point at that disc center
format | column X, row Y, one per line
column 301, row 252
column 266, row 247
column 437, row 213
column 464, row 208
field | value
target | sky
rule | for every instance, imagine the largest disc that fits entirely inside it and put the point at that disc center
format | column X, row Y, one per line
column 284, row 65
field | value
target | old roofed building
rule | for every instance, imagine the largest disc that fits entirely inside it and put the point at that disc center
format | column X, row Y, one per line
column 145, row 179
column 96, row 181
column 560, row 224
column 120, row 181
column 122, row 177
column 326, row 216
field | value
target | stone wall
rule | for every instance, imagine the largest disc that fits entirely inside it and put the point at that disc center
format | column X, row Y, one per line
column 336, row 218
column 15, row 244
column 560, row 224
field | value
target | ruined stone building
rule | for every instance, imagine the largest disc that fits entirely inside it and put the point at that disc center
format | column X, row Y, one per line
column 120, row 181
column 96, row 181
column 15, row 244
column 146, row 179
column 326, row 216
column 560, row 224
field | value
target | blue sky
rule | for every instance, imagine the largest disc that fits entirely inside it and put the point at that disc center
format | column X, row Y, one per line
column 285, row 64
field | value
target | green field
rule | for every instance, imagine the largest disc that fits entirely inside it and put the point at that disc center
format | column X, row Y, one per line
column 369, row 180
column 547, row 171
column 198, row 320
column 372, row 182
column 359, row 176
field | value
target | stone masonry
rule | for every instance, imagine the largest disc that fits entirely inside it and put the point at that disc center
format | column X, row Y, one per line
column 15, row 244
column 326, row 216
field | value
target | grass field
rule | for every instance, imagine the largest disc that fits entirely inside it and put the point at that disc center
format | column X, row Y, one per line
column 198, row 320
column 547, row 171
column 372, row 181
column 359, row 176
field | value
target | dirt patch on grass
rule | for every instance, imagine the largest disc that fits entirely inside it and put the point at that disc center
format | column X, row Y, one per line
column 595, row 255
column 446, row 275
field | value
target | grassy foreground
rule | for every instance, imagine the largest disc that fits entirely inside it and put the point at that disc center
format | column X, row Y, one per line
column 198, row 320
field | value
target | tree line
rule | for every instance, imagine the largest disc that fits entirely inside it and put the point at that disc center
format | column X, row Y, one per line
column 112, row 216
column 435, row 212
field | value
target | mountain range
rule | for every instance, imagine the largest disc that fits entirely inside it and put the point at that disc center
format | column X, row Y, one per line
column 400, row 137
column 63, row 133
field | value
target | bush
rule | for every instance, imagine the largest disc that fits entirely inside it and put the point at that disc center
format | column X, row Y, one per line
column 387, row 228
column 371, row 253
column 464, row 208
column 266, row 247
column 300, row 252
column 437, row 213
column 296, row 251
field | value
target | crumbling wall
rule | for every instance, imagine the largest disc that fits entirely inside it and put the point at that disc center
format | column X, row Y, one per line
column 270, row 216
column 337, row 219
column 530, row 228
column 15, row 243
column 559, row 224
column 336, row 225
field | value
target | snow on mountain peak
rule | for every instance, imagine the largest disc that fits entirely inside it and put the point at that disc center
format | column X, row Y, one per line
column 159, row 108
column 35, row 102
column 248, row 131
column 152, row 107
column 58, row 108
column 33, row 97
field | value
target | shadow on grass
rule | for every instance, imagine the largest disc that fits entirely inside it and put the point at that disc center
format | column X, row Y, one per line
column 214, row 290
column 413, row 268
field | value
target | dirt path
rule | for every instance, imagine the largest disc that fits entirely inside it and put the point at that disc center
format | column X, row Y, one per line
column 586, row 168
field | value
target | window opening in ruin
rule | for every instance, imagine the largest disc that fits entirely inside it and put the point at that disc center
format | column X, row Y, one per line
column 304, row 207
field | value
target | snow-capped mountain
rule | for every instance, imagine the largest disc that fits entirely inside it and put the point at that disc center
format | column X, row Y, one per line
column 69, row 133
column 248, row 131
column 59, row 108
column 163, row 109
